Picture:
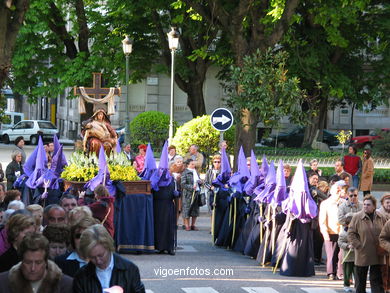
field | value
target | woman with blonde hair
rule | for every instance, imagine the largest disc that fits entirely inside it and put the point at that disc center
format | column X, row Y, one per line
column 78, row 213
column 97, row 245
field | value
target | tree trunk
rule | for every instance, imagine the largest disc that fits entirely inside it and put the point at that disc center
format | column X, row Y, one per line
column 245, row 133
column 318, row 121
column 195, row 99
column 352, row 114
column 12, row 15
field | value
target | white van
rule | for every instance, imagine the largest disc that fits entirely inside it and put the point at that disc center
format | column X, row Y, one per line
column 12, row 118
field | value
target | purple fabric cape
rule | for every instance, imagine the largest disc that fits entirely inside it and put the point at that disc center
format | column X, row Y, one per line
column 254, row 179
column 53, row 174
column 239, row 178
column 223, row 177
column 267, row 193
column 162, row 177
column 299, row 202
column 39, row 168
column 102, row 173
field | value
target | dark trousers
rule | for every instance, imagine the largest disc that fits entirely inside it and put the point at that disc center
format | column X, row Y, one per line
column 332, row 254
column 318, row 242
column 375, row 279
column 348, row 271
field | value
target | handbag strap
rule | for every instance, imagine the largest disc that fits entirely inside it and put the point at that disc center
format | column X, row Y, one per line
column 105, row 218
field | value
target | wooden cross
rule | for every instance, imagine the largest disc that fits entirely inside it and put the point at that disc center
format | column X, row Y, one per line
column 96, row 91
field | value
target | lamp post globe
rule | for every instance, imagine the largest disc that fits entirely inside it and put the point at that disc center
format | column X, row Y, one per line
column 173, row 40
column 127, row 45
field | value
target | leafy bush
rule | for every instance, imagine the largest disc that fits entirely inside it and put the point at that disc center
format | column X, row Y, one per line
column 199, row 131
column 296, row 152
column 151, row 126
column 382, row 145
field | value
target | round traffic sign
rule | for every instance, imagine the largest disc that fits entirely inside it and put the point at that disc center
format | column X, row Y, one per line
column 221, row 119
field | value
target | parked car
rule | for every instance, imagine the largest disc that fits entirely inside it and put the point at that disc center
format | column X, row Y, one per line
column 30, row 130
column 366, row 141
column 294, row 138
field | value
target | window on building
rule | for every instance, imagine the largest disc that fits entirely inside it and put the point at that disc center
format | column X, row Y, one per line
column 360, row 132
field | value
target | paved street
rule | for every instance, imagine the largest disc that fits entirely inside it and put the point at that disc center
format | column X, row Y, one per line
column 236, row 273
column 199, row 267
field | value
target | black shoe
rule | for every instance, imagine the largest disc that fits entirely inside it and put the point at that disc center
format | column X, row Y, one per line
column 171, row 252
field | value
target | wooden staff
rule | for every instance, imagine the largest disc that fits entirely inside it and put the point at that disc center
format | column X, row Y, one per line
column 213, row 216
column 261, row 222
column 273, row 235
column 346, row 256
column 266, row 235
column 234, row 220
column 283, row 246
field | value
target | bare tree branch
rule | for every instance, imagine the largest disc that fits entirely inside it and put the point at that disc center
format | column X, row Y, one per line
column 57, row 25
column 83, row 26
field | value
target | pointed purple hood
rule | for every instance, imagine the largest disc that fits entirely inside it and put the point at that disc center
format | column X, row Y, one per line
column 263, row 169
column 118, row 146
column 254, row 179
column 53, row 174
column 103, row 176
column 300, row 202
column 239, row 178
column 263, row 174
column 56, row 143
column 150, row 164
column 29, row 165
column 40, row 166
column 267, row 193
column 62, row 162
column 162, row 177
column 223, row 177
column 280, row 193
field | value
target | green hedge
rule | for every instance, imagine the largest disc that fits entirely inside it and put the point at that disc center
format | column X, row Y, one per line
column 381, row 176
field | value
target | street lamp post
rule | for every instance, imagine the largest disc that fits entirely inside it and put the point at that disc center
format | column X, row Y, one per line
column 127, row 45
column 173, row 39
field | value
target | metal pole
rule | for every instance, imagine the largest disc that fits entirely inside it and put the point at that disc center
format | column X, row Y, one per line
column 221, row 136
column 172, row 98
column 127, row 126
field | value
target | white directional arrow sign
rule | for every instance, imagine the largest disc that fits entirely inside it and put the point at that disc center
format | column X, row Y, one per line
column 222, row 119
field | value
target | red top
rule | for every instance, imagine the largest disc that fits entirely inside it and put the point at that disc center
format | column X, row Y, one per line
column 103, row 210
column 351, row 164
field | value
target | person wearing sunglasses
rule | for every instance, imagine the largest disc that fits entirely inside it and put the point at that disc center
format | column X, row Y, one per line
column 349, row 207
column 367, row 172
column 346, row 210
column 211, row 174
column 71, row 262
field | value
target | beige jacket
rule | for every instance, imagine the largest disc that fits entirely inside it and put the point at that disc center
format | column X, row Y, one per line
column 367, row 175
column 363, row 234
column 384, row 237
column 343, row 244
column 328, row 217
